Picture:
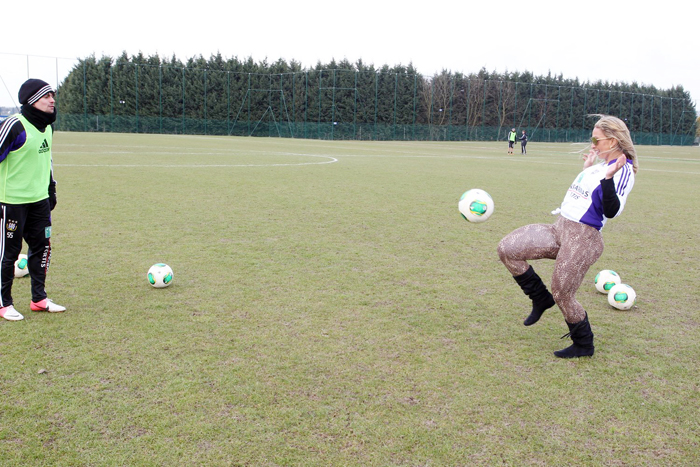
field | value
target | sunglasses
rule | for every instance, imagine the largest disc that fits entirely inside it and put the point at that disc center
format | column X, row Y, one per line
column 595, row 140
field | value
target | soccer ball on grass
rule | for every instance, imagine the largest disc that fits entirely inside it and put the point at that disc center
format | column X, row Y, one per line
column 622, row 297
column 160, row 275
column 476, row 205
column 606, row 280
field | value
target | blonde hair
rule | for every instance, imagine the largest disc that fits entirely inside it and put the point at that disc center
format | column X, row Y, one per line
column 616, row 129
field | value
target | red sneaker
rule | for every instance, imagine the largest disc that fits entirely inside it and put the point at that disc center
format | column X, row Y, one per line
column 46, row 305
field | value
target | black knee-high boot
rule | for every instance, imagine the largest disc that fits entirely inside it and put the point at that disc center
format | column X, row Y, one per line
column 582, row 335
column 534, row 288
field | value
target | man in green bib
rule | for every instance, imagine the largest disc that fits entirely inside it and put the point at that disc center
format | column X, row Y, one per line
column 27, row 195
column 511, row 140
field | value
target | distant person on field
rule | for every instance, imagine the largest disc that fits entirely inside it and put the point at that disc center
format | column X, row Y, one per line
column 27, row 195
column 574, row 241
column 523, row 143
column 511, row 140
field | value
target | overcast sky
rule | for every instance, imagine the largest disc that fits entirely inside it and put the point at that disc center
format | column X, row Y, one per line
column 618, row 41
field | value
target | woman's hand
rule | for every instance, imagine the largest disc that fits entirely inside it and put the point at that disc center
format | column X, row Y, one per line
column 590, row 158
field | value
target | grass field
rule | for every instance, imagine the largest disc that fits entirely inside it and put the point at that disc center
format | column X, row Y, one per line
column 331, row 307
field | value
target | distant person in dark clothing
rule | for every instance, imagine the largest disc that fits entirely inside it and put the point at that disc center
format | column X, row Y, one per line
column 523, row 143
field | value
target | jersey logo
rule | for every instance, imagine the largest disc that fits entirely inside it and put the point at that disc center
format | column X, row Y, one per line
column 11, row 227
column 576, row 192
column 44, row 147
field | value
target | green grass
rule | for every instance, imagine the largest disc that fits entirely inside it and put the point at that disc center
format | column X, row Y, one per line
column 331, row 307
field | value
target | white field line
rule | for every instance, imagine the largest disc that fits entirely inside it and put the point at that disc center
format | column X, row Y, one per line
column 330, row 160
column 136, row 149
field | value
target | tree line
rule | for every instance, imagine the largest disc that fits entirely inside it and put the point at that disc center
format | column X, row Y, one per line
column 353, row 100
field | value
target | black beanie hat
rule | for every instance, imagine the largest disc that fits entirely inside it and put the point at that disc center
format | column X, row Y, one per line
column 32, row 90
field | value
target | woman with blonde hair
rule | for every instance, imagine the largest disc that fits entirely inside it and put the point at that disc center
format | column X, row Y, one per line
column 574, row 241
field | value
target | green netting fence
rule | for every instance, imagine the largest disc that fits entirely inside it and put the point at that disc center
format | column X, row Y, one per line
column 354, row 105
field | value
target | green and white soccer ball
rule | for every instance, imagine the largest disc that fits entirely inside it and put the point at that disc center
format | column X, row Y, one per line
column 160, row 275
column 606, row 280
column 622, row 297
column 476, row 205
column 21, row 269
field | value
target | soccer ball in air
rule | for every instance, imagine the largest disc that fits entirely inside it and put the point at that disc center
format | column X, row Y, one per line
column 160, row 275
column 622, row 297
column 606, row 279
column 476, row 205
column 21, row 269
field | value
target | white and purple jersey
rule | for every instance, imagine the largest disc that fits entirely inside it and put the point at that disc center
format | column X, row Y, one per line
column 584, row 200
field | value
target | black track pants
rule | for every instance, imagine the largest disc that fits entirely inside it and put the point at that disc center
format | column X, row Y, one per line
column 31, row 223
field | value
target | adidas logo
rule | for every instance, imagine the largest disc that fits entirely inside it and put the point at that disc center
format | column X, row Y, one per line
column 44, row 147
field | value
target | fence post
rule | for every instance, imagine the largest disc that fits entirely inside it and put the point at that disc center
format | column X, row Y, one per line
column 136, row 81
column 249, row 97
column 661, row 117
column 529, row 110
column 354, row 111
column 160, row 97
column 483, row 112
column 415, row 88
column 376, row 93
column 183, row 100
column 294, row 104
column 84, row 93
column 396, row 86
column 228, row 101
column 318, row 123
column 333, row 107
column 205, row 101
column 111, row 98
column 306, row 99
column 449, row 118
column 515, row 105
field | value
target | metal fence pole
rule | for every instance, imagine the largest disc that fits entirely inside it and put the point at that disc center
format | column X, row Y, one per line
column 354, row 111
column 333, row 108
column 449, row 117
column 228, row 101
column 483, row 112
column 571, row 112
column 415, row 88
column 84, row 92
column 515, row 106
column 529, row 110
column 556, row 123
column 248, row 96
column 306, row 98
column 318, row 122
column 111, row 98
column 136, row 81
column 205, row 101
column 160, row 98
column 376, row 94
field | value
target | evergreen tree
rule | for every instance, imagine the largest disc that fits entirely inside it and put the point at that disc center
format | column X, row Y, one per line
column 340, row 99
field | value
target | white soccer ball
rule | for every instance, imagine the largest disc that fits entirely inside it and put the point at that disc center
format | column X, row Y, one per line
column 622, row 297
column 21, row 268
column 160, row 275
column 476, row 205
column 606, row 279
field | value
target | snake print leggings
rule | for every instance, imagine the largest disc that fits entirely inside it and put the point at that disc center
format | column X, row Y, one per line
column 573, row 246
